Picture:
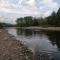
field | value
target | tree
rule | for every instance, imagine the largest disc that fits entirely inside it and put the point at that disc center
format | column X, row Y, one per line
column 51, row 20
column 20, row 22
column 35, row 22
column 28, row 20
column 1, row 25
column 58, row 17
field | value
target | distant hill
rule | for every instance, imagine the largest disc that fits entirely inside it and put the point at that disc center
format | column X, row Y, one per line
column 6, row 25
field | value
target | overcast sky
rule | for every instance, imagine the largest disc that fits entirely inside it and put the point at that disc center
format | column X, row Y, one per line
column 11, row 9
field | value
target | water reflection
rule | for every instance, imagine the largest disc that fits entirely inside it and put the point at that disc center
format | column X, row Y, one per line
column 49, row 39
column 19, row 31
column 39, row 40
column 54, row 37
column 43, row 42
column 26, row 32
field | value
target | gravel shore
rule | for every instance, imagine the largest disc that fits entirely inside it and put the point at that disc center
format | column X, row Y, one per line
column 12, row 49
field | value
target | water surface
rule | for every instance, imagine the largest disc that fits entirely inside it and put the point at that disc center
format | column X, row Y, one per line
column 38, row 41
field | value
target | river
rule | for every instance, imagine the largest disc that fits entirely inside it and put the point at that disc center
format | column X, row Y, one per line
column 38, row 41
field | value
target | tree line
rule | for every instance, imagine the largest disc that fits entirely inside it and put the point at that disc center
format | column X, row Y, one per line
column 52, row 20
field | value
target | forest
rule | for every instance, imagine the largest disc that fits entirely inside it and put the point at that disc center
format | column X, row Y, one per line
column 52, row 20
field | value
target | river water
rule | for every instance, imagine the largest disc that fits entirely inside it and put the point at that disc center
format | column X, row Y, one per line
column 38, row 41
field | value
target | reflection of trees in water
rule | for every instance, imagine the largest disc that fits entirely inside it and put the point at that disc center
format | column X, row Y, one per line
column 54, row 37
column 25, row 32
column 28, row 32
column 19, row 31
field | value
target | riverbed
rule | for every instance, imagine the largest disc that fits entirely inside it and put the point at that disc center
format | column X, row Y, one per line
column 12, row 49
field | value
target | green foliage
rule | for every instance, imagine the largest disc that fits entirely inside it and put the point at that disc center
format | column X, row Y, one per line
column 35, row 22
column 20, row 22
column 28, row 21
column 52, row 20
column 1, row 26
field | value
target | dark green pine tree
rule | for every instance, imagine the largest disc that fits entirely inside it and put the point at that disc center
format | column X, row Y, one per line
column 58, row 17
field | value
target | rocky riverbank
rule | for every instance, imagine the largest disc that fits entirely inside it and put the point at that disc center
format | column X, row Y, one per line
column 12, row 49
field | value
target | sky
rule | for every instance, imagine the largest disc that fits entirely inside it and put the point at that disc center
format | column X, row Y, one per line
column 12, row 9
